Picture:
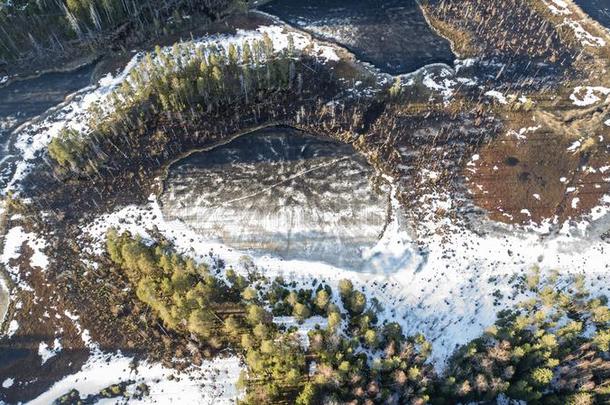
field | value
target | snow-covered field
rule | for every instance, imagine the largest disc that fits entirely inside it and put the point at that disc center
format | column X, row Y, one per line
column 212, row 382
column 447, row 291
column 13, row 241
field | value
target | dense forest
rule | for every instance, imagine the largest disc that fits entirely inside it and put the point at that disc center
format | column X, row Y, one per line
column 54, row 26
column 551, row 349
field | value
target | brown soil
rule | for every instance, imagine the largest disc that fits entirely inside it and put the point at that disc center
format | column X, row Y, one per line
column 523, row 180
column 518, row 180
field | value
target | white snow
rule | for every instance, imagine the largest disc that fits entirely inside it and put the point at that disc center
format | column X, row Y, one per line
column 521, row 134
column 31, row 139
column 46, row 353
column 588, row 95
column 39, row 258
column 84, row 333
column 430, row 174
column 213, row 382
column 575, row 202
column 279, row 36
column 302, row 328
column 8, row 383
column 574, row 147
column 13, row 326
column 498, row 96
column 558, row 7
column 440, row 82
column 561, row 8
column 445, row 291
column 585, row 37
column 13, row 241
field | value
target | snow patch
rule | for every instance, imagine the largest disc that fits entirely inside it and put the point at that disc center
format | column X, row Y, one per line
column 584, row 36
column 303, row 328
column 13, row 241
column 441, row 83
column 558, row 7
column 575, row 202
column 13, row 326
column 521, row 134
column 8, row 383
column 498, row 96
column 46, row 353
column 212, row 382
column 574, row 147
column 587, row 95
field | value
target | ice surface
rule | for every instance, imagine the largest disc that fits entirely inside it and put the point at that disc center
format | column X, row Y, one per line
column 285, row 193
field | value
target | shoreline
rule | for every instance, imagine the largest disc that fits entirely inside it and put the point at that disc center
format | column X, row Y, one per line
column 65, row 68
column 6, row 284
column 345, row 50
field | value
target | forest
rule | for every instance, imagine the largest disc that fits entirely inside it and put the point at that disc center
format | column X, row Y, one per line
column 187, row 81
column 552, row 348
column 56, row 26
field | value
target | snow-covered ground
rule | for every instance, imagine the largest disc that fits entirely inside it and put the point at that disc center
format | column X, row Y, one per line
column 447, row 291
column 212, row 382
column 584, row 96
column 13, row 242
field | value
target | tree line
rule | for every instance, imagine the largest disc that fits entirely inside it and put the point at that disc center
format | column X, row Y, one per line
column 551, row 349
column 186, row 79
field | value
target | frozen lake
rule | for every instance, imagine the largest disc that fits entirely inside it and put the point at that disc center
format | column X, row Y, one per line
column 597, row 9
column 393, row 35
column 282, row 192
